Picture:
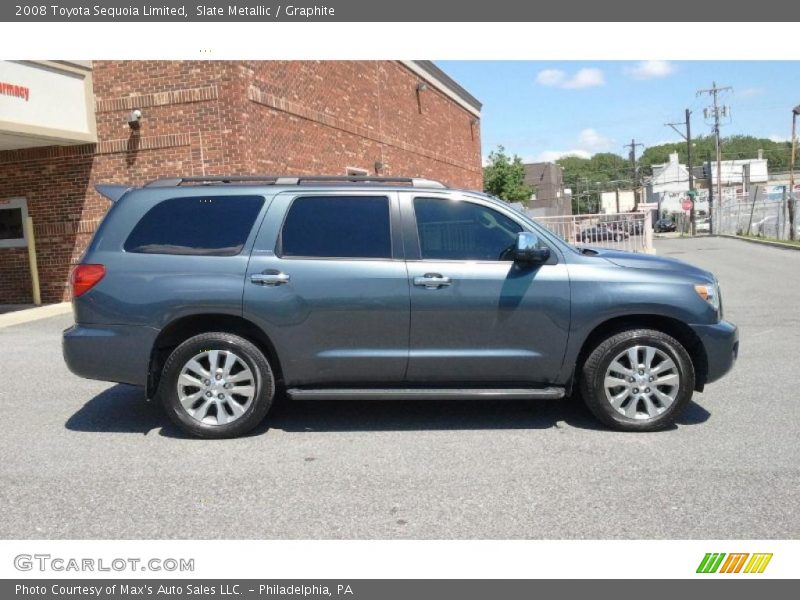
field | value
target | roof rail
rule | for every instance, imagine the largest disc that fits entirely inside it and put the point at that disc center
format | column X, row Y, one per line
column 293, row 180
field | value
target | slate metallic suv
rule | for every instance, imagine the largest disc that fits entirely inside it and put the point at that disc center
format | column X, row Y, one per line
column 216, row 293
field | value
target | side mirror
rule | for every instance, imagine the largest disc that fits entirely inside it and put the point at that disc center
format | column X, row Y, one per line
column 528, row 249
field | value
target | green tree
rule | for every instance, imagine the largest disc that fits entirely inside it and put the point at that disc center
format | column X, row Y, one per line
column 733, row 147
column 588, row 177
column 504, row 177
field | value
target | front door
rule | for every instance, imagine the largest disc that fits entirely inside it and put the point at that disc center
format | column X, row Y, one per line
column 328, row 285
column 477, row 316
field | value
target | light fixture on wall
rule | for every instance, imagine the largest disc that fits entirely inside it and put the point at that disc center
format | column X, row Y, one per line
column 422, row 87
column 378, row 167
column 135, row 119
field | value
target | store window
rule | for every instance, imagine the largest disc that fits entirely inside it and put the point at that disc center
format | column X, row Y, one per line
column 13, row 214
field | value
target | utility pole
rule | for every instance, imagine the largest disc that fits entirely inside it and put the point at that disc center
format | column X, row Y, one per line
column 632, row 156
column 688, row 137
column 792, row 200
column 715, row 111
column 710, row 196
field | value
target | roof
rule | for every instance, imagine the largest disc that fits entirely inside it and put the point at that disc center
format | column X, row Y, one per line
column 537, row 172
column 446, row 84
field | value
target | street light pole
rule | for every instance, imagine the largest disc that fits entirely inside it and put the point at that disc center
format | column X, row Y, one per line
column 789, row 197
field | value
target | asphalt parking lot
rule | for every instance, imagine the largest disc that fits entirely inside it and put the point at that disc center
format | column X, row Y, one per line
column 85, row 459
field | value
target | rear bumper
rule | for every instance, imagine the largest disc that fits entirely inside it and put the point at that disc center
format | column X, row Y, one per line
column 721, row 343
column 119, row 353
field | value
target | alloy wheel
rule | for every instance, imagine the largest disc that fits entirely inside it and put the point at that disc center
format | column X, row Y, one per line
column 216, row 387
column 641, row 382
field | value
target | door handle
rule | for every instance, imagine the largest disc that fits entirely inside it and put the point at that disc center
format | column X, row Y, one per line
column 432, row 281
column 273, row 278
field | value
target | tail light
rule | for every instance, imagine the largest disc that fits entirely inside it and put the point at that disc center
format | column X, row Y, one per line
column 85, row 277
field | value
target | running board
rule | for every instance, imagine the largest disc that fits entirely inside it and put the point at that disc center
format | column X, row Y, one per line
column 548, row 393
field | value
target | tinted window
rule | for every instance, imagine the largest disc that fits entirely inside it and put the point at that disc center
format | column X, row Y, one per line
column 200, row 225
column 338, row 227
column 458, row 230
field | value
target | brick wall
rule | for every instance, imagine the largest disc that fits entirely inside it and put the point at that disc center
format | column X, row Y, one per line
column 294, row 117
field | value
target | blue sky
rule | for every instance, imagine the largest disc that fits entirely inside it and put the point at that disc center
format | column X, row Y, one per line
column 540, row 110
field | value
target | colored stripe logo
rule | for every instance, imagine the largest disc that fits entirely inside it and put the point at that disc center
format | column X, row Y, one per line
column 719, row 562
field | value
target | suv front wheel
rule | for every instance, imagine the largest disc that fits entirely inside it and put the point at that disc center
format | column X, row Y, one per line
column 637, row 380
column 217, row 385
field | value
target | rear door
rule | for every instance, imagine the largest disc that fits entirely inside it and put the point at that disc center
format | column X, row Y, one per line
column 328, row 284
column 476, row 316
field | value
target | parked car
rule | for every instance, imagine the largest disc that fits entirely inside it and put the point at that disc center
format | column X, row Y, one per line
column 217, row 293
column 702, row 226
column 601, row 233
column 631, row 227
column 664, row 225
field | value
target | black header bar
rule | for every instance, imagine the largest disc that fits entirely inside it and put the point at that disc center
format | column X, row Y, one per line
column 403, row 11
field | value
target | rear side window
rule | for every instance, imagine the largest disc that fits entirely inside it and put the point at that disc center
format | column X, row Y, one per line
column 196, row 225
column 338, row 227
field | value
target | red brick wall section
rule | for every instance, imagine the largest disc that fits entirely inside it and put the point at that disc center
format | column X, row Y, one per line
column 291, row 117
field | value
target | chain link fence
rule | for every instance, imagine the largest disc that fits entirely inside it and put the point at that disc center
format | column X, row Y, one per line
column 762, row 213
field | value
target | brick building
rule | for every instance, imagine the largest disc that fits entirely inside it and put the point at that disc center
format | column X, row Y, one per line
column 65, row 127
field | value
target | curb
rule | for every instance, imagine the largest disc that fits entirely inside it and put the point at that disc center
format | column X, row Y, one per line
column 762, row 242
column 34, row 314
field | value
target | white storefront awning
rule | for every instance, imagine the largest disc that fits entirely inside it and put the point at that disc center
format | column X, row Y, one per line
column 46, row 103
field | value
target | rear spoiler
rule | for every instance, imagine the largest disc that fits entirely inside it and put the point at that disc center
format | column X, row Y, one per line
column 112, row 191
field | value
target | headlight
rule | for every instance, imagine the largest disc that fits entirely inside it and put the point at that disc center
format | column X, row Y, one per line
column 710, row 293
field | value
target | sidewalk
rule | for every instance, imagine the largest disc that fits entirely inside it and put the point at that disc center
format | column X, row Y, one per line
column 14, row 314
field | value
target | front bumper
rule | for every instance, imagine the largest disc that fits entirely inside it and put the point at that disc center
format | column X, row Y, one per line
column 721, row 343
column 119, row 353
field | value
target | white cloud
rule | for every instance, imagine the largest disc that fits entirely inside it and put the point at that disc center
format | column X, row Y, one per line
column 651, row 69
column 551, row 77
column 589, row 139
column 583, row 78
column 750, row 92
column 779, row 138
column 589, row 142
column 554, row 155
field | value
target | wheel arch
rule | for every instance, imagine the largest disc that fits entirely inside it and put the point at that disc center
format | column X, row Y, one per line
column 672, row 327
column 183, row 328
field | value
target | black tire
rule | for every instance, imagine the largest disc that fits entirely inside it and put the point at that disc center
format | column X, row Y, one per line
column 593, row 372
column 248, row 353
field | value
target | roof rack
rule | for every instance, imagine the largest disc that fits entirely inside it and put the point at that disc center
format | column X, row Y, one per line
column 300, row 180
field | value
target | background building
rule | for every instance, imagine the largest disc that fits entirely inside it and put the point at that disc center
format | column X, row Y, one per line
column 65, row 126
column 670, row 181
column 549, row 199
column 618, row 201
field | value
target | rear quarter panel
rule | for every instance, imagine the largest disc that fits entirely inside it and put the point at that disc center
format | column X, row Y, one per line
column 155, row 289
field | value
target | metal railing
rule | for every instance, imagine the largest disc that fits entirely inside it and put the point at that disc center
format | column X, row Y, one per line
column 632, row 232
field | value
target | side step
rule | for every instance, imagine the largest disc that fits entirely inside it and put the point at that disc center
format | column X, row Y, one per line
column 548, row 393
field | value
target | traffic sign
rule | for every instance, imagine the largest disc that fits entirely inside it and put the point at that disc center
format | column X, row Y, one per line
column 686, row 204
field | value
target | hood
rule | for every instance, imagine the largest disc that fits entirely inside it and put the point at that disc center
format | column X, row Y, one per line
column 634, row 260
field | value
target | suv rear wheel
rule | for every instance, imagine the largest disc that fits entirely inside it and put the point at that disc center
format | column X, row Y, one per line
column 637, row 380
column 217, row 385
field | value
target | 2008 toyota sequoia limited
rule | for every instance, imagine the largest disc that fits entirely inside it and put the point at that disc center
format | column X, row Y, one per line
column 213, row 293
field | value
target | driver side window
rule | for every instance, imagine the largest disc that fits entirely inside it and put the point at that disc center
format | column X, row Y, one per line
column 460, row 230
